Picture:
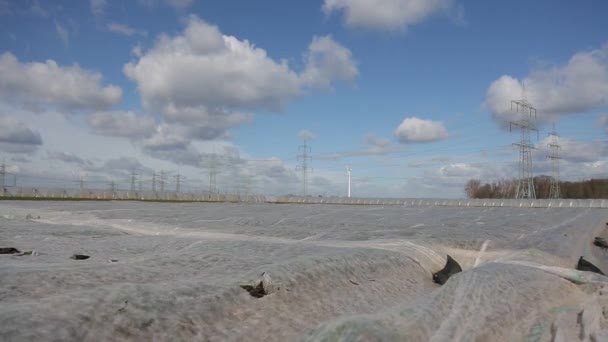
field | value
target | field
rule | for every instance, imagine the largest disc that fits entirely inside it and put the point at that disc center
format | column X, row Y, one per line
column 160, row 271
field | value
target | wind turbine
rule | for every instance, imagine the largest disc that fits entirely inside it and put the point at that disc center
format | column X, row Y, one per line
column 348, row 170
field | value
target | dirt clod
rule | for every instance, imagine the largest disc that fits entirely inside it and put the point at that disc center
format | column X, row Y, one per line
column 255, row 291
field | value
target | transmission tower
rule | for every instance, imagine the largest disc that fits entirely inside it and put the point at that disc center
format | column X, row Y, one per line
column 2, row 175
column 525, row 113
column 162, row 180
column 178, row 180
column 80, row 182
column 154, row 182
column 554, row 148
column 305, row 158
column 113, row 186
column 133, row 181
column 213, row 171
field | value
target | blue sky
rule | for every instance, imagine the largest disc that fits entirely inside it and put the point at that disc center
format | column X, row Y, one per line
column 412, row 94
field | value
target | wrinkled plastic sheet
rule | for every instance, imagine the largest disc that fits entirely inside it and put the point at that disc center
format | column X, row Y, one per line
column 331, row 273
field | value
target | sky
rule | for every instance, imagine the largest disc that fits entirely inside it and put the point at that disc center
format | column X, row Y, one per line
column 413, row 95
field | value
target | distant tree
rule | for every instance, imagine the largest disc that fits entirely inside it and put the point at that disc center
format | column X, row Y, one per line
column 472, row 188
column 506, row 188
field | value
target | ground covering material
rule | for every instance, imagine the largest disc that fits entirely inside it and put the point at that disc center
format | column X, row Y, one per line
column 228, row 272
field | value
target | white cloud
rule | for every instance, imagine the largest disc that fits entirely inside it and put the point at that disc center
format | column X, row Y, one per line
column 16, row 137
column 122, row 124
column 204, row 77
column 389, row 14
column 124, row 29
column 36, row 85
column 63, row 34
column 326, row 62
column 307, row 135
column 137, row 51
column 415, row 130
column 98, row 7
column 579, row 86
column 203, row 69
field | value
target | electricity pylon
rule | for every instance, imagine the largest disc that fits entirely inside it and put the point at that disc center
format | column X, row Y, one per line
column 525, row 113
column 554, row 149
column 305, row 158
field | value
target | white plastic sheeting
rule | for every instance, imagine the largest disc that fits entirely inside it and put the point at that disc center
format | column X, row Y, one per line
column 523, row 203
column 339, row 273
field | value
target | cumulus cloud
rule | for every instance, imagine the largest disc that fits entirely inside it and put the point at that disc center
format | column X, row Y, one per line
column 206, row 77
column 389, row 15
column 203, row 68
column 16, row 137
column 579, row 86
column 169, row 143
column 328, row 61
column 36, row 85
column 415, row 130
column 122, row 124
column 307, row 135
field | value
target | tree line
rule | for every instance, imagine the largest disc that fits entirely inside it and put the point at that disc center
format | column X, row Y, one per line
column 506, row 188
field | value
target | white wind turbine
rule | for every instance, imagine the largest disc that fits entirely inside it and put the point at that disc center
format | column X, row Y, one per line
column 348, row 171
